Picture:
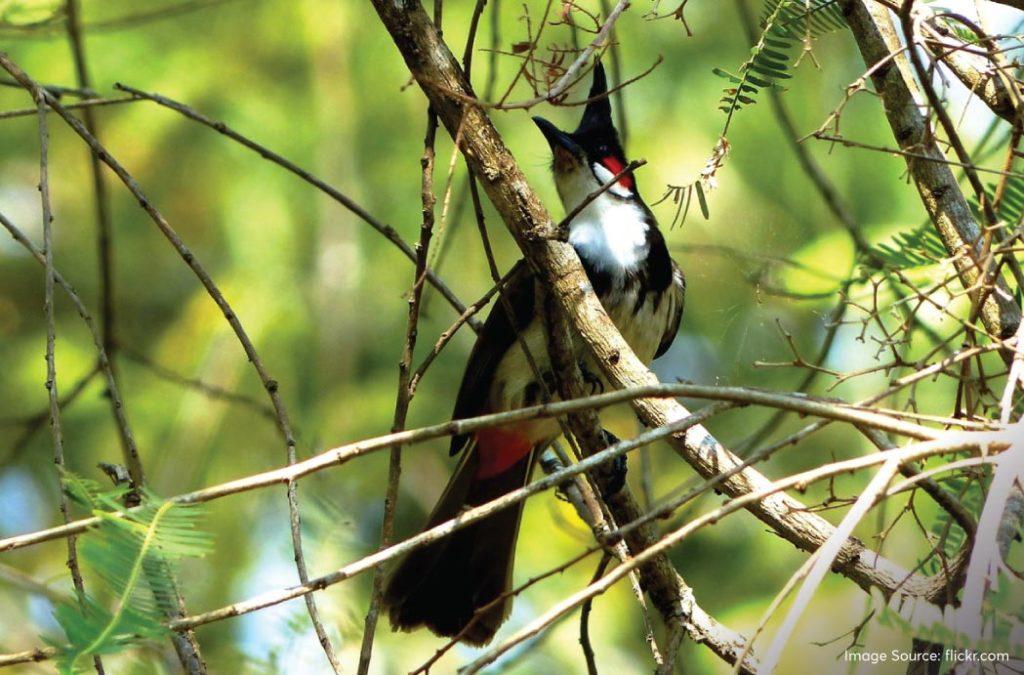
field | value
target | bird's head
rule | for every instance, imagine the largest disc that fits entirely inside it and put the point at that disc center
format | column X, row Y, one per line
column 592, row 155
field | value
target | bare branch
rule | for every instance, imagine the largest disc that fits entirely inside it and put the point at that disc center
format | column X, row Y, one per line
column 405, row 391
column 51, row 367
column 389, row 232
column 988, row 77
column 878, row 42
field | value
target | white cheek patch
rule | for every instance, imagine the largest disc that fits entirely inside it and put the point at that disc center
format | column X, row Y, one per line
column 604, row 175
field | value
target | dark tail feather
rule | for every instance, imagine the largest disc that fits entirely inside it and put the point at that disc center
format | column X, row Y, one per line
column 442, row 585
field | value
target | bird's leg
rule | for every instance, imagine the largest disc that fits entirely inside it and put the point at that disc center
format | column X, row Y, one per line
column 592, row 384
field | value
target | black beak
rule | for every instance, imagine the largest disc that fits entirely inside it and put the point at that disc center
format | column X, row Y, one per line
column 556, row 137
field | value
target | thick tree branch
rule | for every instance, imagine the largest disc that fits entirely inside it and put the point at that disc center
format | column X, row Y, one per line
column 980, row 74
column 878, row 41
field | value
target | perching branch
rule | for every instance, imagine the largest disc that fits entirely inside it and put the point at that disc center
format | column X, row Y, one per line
column 434, row 67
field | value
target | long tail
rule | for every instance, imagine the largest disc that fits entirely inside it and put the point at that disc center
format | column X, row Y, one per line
column 442, row 585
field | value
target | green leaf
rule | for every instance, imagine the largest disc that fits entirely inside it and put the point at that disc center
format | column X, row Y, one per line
column 702, row 200
column 757, row 81
column 134, row 558
column 726, row 75
column 783, row 22
column 919, row 247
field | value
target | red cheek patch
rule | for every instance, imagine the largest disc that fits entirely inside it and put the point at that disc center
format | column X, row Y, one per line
column 614, row 165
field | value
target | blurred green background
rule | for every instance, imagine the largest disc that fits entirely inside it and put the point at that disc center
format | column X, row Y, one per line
column 324, row 299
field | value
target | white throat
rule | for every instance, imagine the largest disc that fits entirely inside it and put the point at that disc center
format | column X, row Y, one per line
column 610, row 233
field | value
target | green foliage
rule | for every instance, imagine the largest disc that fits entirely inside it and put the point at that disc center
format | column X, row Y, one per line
column 919, row 247
column 804, row 19
column 134, row 557
column 922, row 246
column 783, row 23
column 1011, row 207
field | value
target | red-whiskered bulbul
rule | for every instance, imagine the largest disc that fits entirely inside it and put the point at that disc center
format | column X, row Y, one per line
column 443, row 585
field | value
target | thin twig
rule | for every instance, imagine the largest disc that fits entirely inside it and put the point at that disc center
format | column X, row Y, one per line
column 51, row 367
column 776, row 602
column 588, row 649
column 101, row 200
column 405, row 393
column 205, row 388
column 78, row 105
column 32, row 423
column 389, row 232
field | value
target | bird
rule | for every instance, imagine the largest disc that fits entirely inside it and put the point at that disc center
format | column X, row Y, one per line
column 459, row 586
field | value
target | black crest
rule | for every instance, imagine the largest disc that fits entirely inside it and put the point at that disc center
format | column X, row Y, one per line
column 598, row 114
column 596, row 132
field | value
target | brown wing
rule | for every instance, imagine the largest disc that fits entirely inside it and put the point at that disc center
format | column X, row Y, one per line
column 677, row 297
column 498, row 334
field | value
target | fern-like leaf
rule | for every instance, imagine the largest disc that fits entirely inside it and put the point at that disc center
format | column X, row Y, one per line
column 134, row 558
column 805, row 20
column 919, row 247
column 783, row 24
column 1011, row 207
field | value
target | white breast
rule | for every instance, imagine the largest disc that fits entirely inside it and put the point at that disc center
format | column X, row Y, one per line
column 611, row 235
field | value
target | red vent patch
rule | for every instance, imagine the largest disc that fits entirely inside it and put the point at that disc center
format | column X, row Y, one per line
column 499, row 450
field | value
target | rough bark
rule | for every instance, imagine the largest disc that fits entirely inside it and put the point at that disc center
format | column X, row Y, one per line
column 876, row 37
